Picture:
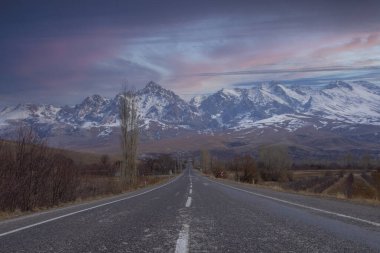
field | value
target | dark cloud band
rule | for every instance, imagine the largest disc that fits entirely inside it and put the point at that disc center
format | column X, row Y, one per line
column 285, row 71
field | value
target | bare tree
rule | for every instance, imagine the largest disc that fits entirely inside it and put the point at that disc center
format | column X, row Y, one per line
column 349, row 161
column 32, row 175
column 274, row 162
column 129, row 135
column 248, row 167
column 205, row 161
column 366, row 162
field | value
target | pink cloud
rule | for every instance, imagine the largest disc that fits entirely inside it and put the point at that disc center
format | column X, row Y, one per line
column 61, row 60
column 357, row 43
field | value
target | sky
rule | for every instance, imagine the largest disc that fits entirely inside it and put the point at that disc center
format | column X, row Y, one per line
column 62, row 51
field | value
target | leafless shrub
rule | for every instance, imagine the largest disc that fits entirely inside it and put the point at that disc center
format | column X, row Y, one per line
column 244, row 169
column 33, row 176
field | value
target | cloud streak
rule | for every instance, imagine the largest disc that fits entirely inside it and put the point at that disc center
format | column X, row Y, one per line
column 357, row 43
column 282, row 71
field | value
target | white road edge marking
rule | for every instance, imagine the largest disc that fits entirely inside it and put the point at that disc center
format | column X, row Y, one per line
column 303, row 206
column 182, row 245
column 188, row 202
column 86, row 209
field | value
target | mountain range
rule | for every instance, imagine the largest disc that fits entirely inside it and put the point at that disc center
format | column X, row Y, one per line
column 324, row 120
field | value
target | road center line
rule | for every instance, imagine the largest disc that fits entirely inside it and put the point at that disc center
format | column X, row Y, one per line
column 191, row 191
column 86, row 209
column 188, row 202
column 301, row 205
column 182, row 245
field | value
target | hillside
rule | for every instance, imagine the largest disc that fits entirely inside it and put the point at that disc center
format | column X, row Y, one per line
column 83, row 158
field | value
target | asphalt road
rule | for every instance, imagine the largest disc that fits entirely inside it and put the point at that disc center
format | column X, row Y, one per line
column 194, row 214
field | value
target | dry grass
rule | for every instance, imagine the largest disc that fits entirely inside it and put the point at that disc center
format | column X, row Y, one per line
column 362, row 190
column 300, row 174
column 363, row 193
column 146, row 181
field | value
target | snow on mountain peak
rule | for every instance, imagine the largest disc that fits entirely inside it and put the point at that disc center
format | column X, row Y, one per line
column 154, row 89
column 197, row 100
column 94, row 100
column 238, row 108
column 231, row 92
column 152, row 86
column 338, row 84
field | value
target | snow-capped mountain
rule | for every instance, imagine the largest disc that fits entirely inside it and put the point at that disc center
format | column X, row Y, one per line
column 163, row 106
column 41, row 113
column 227, row 107
column 354, row 103
column 157, row 108
column 337, row 107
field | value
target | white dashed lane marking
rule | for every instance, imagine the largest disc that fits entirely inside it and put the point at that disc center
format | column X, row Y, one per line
column 188, row 202
column 182, row 245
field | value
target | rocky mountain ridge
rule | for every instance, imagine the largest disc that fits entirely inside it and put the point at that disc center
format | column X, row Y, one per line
column 337, row 107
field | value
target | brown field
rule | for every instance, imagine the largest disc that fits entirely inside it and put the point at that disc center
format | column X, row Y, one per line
column 300, row 174
column 329, row 183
